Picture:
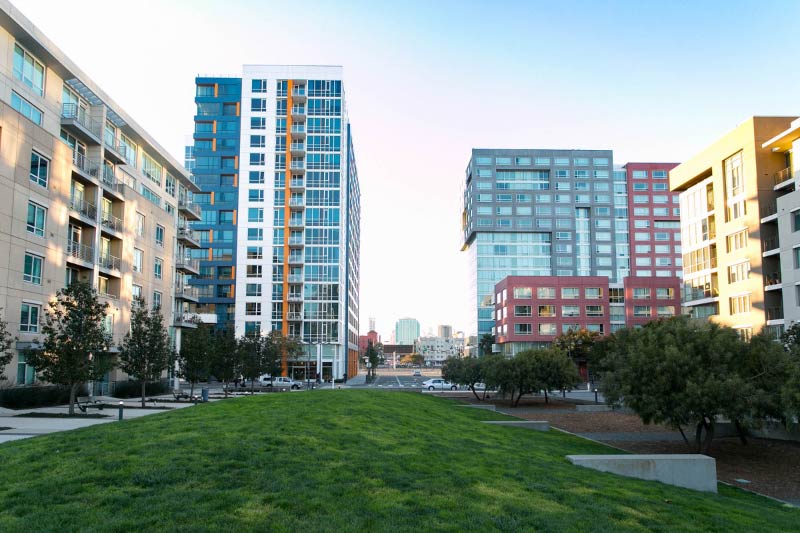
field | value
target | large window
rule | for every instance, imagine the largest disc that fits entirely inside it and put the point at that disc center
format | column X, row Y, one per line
column 151, row 169
column 40, row 167
column 36, row 219
column 158, row 268
column 734, row 180
column 138, row 260
column 28, row 70
column 27, row 109
column 740, row 304
column 29, row 317
column 522, row 292
column 32, row 272
column 160, row 235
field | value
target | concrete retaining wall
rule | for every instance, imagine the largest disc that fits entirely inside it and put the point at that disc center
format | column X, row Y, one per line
column 593, row 408
column 488, row 406
column 692, row 471
column 537, row 425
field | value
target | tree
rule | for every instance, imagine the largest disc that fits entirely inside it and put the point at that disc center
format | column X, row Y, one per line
column 577, row 345
column 498, row 372
column 6, row 341
column 145, row 351
column 485, row 344
column 416, row 359
column 685, row 372
column 373, row 357
column 194, row 357
column 75, row 340
column 251, row 356
column 276, row 346
column 553, row 370
column 224, row 361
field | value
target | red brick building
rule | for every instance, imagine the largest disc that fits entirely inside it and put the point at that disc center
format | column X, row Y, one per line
column 364, row 340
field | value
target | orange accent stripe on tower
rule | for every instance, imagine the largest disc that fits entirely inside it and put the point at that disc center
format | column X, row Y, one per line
column 286, row 216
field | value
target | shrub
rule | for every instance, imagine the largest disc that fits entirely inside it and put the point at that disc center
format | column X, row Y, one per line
column 133, row 389
column 35, row 396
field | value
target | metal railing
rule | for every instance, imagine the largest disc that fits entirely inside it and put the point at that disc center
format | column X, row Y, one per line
column 295, row 223
column 297, row 184
column 769, row 209
column 186, row 205
column 83, row 163
column 81, row 116
column 769, row 243
column 297, row 202
column 112, row 222
column 295, row 278
column 109, row 262
column 186, row 263
column 774, row 313
column 187, row 233
column 298, row 128
column 83, row 207
column 772, row 279
column 294, row 316
column 186, row 291
column 782, row 175
column 80, row 251
column 295, row 297
column 295, row 241
column 298, row 147
column 298, row 165
column 295, row 259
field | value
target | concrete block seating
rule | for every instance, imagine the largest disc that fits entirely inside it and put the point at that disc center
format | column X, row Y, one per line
column 488, row 406
column 537, row 425
column 593, row 408
column 692, row 471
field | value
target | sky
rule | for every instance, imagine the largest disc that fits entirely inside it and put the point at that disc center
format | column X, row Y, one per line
column 428, row 81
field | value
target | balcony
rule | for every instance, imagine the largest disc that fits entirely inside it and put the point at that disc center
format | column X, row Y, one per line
column 768, row 212
column 109, row 262
column 88, row 167
column 295, row 278
column 187, row 265
column 83, row 208
column 297, row 184
column 298, row 111
column 770, row 246
column 80, row 252
column 296, row 242
column 782, row 177
column 187, row 292
column 110, row 182
column 298, row 148
column 295, row 259
column 112, row 223
column 774, row 313
column 295, row 298
column 114, row 151
column 299, row 92
column 297, row 202
column 295, row 223
column 76, row 120
column 772, row 281
column 186, row 320
column 298, row 165
column 298, row 131
column 190, row 209
column 188, row 237
column 294, row 317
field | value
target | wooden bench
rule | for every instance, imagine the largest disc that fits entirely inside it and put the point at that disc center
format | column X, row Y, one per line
column 85, row 402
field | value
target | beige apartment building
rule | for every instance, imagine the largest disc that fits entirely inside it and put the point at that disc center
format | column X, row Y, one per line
column 85, row 194
column 729, row 233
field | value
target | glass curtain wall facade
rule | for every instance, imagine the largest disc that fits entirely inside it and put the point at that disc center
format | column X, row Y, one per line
column 214, row 160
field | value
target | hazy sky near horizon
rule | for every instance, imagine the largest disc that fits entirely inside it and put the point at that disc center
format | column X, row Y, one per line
column 428, row 81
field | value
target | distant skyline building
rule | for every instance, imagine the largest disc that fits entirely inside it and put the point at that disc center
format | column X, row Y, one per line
column 445, row 332
column 406, row 331
column 534, row 212
column 273, row 154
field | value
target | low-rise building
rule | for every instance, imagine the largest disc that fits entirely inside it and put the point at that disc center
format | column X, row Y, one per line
column 437, row 349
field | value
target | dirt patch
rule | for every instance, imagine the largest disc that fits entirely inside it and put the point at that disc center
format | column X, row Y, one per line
column 590, row 422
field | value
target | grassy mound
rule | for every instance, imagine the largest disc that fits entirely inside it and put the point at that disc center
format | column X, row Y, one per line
column 341, row 461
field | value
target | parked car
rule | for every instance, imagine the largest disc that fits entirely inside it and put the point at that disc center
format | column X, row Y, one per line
column 284, row 383
column 417, row 373
column 438, row 384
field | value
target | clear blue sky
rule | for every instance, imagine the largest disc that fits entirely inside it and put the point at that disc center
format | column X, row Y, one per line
column 428, row 81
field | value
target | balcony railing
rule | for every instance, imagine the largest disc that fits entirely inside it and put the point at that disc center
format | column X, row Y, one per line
column 295, row 241
column 298, row 128
column 297, row 184
column 774, row 313
column 83, row 207
column 769, row 209
column 80, row 251
column 295, row 259
column 782, row 175
column 109, row 262
column 299, row 91
column 295, row 278
column 111, row 222
column 770, row 243
column 298, row 165
column 295, row 223
column 81, row 116
column 772, row 279
column 186, row 205
column 83, row 163
column 110, row 180
column 187, row 263
column 294, row 316
column 297, row 202
column 187, row 233
column 186, row 291
column 295, row 297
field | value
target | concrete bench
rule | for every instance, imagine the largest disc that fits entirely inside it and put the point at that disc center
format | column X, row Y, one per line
column 593, row 408
column 692, row 471
column 488, row 406
column 537, row 425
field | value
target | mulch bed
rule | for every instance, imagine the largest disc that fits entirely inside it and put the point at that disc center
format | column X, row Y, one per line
column 771, row 466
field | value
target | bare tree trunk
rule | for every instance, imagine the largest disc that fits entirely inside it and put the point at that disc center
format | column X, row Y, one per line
column 191, row 388
column 697, row 434
column 684, row 436
column 472, row 388
column 144, row 389
column 741, row 431
column 73, row 388
column 709, row 436
column 225, row 388
column 545, row 395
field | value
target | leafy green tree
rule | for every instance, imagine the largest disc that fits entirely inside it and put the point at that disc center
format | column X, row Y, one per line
column 75, row 346
column 251, row 356
column 791, row 388
column 374, row 358
column 145, row 351
column 6, row 341
column 553, row 370
column 498, row 371
column 577, row 345
column 485, row 344
column 194, row 357
column 685, row 372
column 224, row 360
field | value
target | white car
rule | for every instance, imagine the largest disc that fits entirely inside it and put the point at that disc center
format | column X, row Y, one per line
column 438, row 384
column 281, row 382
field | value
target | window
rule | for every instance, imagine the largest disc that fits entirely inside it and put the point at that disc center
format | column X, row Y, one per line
column 570, row 310
column 254, row 271
column 639, row 174
column 260, row 123
column 40, row 166
column 139, row 225
column 29, row 317
column 160, row 235
column 641, row 310
column 594, row 310
column 28, row 70
column 547, row 329
column 740, row 304
column 522, row 310
column 522, row 293
column 570, row 293
column 36, row 219
column 664, row 293
column 158, row 268
column 666, row 311
column 659, row 174
column 138, row 260
column 26, row 109
column 523, row 329
column 136, row 292
column 593, row 293
column 252, row 308
column 32, row 272
column 151, row 169
column 641, row 293
column 253, row 289
column 545, row 293
column 258, row 105
column 156, row 299
column 548, row 311
column 259, row 86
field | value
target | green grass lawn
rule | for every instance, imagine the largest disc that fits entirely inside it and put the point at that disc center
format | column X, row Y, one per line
column 341, row 461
